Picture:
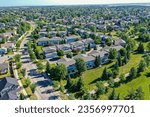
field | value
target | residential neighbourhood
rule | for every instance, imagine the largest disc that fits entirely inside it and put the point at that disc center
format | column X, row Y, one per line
column 75, row 53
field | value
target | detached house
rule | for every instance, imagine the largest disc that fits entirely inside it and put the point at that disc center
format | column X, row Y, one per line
column 44, row 41
column 89, row 41
column 8, row 45
column 69, row 63
column 50, row 52
column 55, row 40
column 119, row 42
column 103, row 55
column 72, row 38
column 65, row 47
column 89, row 60
column 77, row 46
column 9, row 89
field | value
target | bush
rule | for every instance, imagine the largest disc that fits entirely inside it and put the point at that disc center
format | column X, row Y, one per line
column 55, row 85
column 33, row 87
column 27, row 82
column 22, row 96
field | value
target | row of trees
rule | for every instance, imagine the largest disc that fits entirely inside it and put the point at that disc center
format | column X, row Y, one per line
column 22, row 74
column 31, row 52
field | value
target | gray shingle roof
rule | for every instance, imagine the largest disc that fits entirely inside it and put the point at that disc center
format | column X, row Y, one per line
column 44, row 39
column 84, row 57
column 7, row 82
column 66, row 61
column 3, row 66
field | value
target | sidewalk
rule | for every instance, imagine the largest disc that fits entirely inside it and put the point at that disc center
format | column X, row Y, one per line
column 20, row 84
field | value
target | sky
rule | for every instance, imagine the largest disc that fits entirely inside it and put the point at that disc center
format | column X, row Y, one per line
column 64, row 2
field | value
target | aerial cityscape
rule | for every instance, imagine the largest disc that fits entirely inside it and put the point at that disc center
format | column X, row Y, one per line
column 75, row 52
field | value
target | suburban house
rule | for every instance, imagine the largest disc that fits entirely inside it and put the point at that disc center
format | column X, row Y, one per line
column 55, row 40
column 89, row 60
column 118, row 47
column 65, row 47
column 72, row 38
column 69, row 63
column 8, row 45
column 4, row 67
column 119, row 42
column 53, row 33
column 77, row 46
column 9, row 34
column 102, row 53
column 104, row 38
column 9, row 89
column 50, row 52
column 44, row 41
column 43, row 33
column 89, row 41
column 63, row 33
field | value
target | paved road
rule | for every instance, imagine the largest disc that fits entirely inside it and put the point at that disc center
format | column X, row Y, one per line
column 44, row 84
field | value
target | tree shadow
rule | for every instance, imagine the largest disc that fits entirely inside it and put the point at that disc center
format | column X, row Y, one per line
column 147, row 74
column 43, row 83
column 94, row 81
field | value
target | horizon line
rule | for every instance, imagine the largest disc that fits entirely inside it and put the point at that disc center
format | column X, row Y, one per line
column 136, row 3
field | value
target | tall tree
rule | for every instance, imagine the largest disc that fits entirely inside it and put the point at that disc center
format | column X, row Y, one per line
column 80, row 66
column 80, row 84
column 122, row 78
column 33, row 87
column 101, row 89
column 112, row 53
column 97, row 61
column 69, row 82
column 105, row 74
column 140, row 48
column 113, row 95
column 60, row 53
column 17, row 57
column 133, row 72
column 147, row 60
column 40, row 67
column 142, row 66
column 60, row 72
column 48, row 68
column 148, row 46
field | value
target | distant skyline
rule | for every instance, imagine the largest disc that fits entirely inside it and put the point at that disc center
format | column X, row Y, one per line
column 64, row 2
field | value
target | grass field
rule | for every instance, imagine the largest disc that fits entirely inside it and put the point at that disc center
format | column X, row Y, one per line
column 143, row 81
column 91, row 76
column 133, row 62
column 39, row 48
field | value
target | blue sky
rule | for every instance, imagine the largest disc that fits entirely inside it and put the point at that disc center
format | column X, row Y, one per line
column 64, row 2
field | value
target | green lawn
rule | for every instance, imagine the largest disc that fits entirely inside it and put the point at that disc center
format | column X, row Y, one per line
column 39, row 48
column 143, row 81
column 91, row 76
column 133, row 62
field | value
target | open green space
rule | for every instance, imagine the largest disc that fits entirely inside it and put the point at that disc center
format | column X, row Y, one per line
column 142, row 81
